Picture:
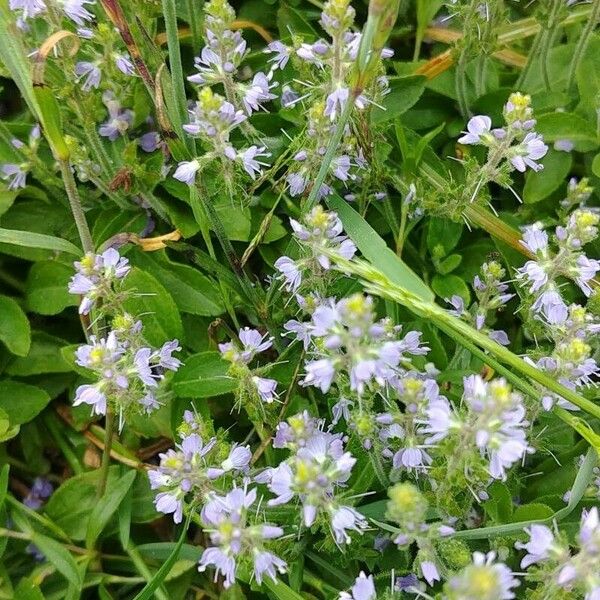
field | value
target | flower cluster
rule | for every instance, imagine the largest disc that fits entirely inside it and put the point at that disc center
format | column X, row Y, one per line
column 491, row 295
column 407, row 507
column 354, row 349
column 517, row 142
column 484, row 579
column 494, row 422
column 240, row 356
column 191, row 469
column 16, row 173
column 97, row 277
column 571, row 360
column 319, row 234
column 235, row 534
column 317, row 467
column 326, row 66
column 211, row 120
column 213, row 117
column 73, row 9
column 559, row 572
column 128, row 372
column 540, row 275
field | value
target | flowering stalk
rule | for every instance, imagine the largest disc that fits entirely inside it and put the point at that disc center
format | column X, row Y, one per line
column 381, row 17
column 377, row 283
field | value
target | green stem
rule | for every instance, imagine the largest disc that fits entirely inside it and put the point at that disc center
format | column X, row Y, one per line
column 108, row 439
column 143, row 570
column 177, row 80
column 583, row 42
column 332, row 148
column 73, row 195
column 549, row 39
column 533, row 53
column 194, row 22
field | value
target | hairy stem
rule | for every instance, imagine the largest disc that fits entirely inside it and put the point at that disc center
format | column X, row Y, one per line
column 75, row 203
column 583, row 42
column 108, row 437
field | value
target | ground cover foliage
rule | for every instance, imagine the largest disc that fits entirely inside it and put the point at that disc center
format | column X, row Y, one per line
column 299, row 299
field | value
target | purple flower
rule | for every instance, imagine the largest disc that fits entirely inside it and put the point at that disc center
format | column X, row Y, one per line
column 532, row 148
column 165, row 358
column 168, row 503
column 248, row 158
column 119, row 121
column 144, row 368
column 76, row 11
column 535, row 239
column 40, row 491
column 290, row 272
column 16, row 175
column 430, row 572
column 297, row 183
column 281, row 52
column 540, row 542
column 186, row 171
column 149, row 141
column 90, row 394
column 564, row 145
column 266, row 563
column 223, row 564
column 585, row 272
column 319, row 373
column 30, row 8
column 477, row 127
column 90, row 73
column 345, row 518
column 124, row 64
column 266, row 389
column 363, row 589
column 258, row 92
column 336, row 101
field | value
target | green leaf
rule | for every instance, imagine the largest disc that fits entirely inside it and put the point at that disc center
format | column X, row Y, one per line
column 443, row 234
column 71, row 505
column 151, row 303
column 44, row 357
column 4, row 484
column 193, row 292
column 106, row 508
column 588, row 73
column 7, row 197
column 161, row 574
column 596, row 165
column 21, row 402
column 446, row 286
column 203, row 375
column 28, row 590
column 568, row 126
column 374, row 249
column 110, row 222
column 532, row 512
column 37, row 240
column 540, row 184
column 15, row 331
column 46, row 288
column 60, row 557
column 449, row 264
column 404, row 93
